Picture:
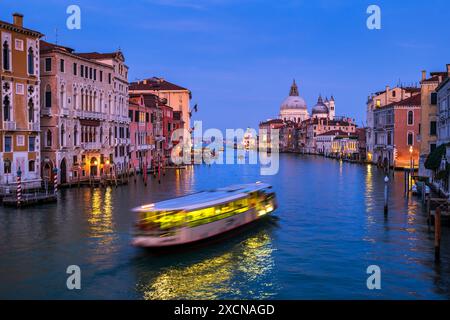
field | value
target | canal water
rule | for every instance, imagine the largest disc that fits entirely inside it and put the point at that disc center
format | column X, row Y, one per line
column 328, row 229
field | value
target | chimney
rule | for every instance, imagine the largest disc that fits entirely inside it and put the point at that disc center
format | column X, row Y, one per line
column 424, row 75
column 387, row 94
column 18, row 19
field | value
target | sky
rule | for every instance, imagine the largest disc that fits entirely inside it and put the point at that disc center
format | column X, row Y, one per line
column 239, row 57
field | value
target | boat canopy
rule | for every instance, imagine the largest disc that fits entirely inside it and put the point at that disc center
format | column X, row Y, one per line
column 204, row 199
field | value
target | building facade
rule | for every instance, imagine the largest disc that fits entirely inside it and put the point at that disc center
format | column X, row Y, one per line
column 84, row 128
column 378, row 100
column 396, row 131
column 172, row 95
column 20, row 105
column 429, row 117
column 141, row 134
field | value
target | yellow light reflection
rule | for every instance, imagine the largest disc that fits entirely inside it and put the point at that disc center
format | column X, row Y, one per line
column 214, row 277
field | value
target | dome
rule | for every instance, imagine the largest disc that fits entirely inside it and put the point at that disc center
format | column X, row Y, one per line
column 320, row 107
column 294, row 101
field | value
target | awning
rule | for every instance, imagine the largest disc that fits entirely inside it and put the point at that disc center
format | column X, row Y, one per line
column 434, row 159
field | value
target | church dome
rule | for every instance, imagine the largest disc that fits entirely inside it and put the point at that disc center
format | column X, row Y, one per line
column 294, row 101
column 320, row 107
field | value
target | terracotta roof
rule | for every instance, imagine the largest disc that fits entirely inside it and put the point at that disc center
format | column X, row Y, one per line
column 334, row 133
column 12, row 26
column 155, row 84
column 411, row 101
column 271, row 121
column 435, row 77
column 47, row 46
column 101, row 56
column 150, row 100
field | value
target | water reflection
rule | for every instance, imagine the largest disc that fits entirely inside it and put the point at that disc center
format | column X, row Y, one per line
column 237, row 272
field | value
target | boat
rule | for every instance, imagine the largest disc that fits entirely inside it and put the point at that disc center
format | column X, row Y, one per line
column 202, row 215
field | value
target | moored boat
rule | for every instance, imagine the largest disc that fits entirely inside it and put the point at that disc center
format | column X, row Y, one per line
column 202, row 215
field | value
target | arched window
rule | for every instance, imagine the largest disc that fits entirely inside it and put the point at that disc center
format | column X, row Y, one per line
column 101, row 134
column 63, row 135
column 30, row 111
column 75, row 98
column 30, row 61
column 6, row 64
column 410, row 118
column 410, row 138
column 48, row 97
column 6, row 109
column 48, row 139
column 82, row 99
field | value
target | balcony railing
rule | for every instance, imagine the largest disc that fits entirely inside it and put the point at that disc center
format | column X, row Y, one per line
column 46, row 111
column 91, row 146
column 90, row 115
column 35, row 126
column 9, row 125
column 65, row 112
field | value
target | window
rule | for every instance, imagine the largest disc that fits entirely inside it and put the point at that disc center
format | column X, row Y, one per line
column 61, row 65
column 410, row 118
column 31, row 61
column 7, row 166
column 19, row 88
column 19, row 45
column 31, row 166
column 6, row 64
column 101, row 76
column 410, row 138
column 48, row 64
column 6, row 109
column 90, row 73
column 8, row 143
column 109, row 78
column 48, row 97
column 30, row 110
column 31, row 144
column 394, row 93
column 432, row 147
column 389, row 139
column 82, row 71
column 433, row 98
column 433, row 128
column 20, row 140
column 75, row 69
column 95, row 74
column 75, row 136
column 48, row 139
column 63, row 136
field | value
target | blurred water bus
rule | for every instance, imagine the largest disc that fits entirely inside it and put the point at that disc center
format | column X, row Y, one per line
column 202, row 215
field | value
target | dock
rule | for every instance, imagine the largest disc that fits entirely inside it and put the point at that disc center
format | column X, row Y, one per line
column 29, row 200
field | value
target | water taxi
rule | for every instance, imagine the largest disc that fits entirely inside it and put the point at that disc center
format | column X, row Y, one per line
column 202, row 215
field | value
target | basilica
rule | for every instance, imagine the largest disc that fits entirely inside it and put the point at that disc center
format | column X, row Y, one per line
column 294, row 107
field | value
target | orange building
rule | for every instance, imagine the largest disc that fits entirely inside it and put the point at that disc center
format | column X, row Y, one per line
column 19, row 112
column 396, row 131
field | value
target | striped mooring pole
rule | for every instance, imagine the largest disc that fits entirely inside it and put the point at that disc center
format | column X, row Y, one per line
column 55, row 180
column 19, row 187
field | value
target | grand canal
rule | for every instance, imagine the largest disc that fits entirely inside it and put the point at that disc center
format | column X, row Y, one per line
column 328, row 229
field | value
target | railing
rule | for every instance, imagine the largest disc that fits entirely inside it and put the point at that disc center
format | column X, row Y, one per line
column 9, row 125
column 46, row 111
column 90, row 115
column 35, row 126
column 65, row 112
column 91, row 146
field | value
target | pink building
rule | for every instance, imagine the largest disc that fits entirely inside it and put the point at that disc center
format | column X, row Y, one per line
column 141, row 133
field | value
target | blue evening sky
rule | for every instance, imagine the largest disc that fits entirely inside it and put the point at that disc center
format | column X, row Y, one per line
column 239, row 56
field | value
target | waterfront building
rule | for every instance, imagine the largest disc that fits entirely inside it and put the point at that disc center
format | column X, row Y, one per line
column 443, row 101
column 294, row 107
column 324, row 141
column 172, row 95
column 378, row 100
column 141, row 133
column 288, row 136
column 168, row 127
column 20, row 105
column 265, row 135
column 345, row 146
column 84, row 127
column 361, row 134
column 310, row 129
column 396, row 129
column 429, row 117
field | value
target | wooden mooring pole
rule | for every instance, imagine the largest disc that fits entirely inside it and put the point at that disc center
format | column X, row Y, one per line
column 437, row 234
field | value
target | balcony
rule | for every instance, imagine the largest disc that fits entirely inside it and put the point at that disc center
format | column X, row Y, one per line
column 144, row 147
column 83, row 114
column 64, row 112
column 9, row 125
column 34, row 126
column 91, row 146
column 46, row 111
